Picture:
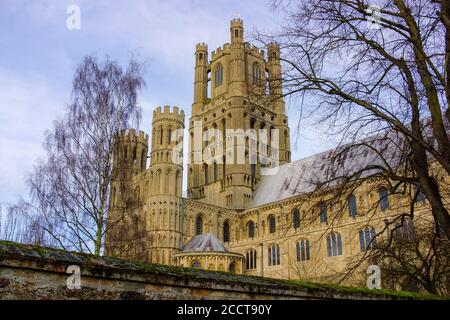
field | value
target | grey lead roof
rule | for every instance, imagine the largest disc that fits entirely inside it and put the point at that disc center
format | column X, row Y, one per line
column 204, row 243
column 302, row 176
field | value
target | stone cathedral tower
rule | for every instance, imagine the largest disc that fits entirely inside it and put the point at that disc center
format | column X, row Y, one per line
column 129, row 165
column 237, row 89
column 237, row 102
column 239, row 214
column 146, row 203
column 163, row 208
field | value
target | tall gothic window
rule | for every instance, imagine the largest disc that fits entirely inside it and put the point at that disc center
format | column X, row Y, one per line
column 272, row 224
column 169, row 135
column 226, row 232
column 250, row 259
column 134, row 155
column 296, row 218
column 303, row 250
column 256, row 74
column 143, row 160
column 216, row 171
column 405, row 230
column 251, row 229
column 352, row 206
column 323, row 213
column 274, row 255
column 224, row 168
column 383, row 195
column 205, row 168
column 218, row 75
column 334, row 244
column 253, row 170
column 198, row 226
column 367, row 238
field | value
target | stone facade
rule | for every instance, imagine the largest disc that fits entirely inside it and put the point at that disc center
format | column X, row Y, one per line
column 269, row 220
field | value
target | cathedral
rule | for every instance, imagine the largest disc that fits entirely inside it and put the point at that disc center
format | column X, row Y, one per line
column 246, row 209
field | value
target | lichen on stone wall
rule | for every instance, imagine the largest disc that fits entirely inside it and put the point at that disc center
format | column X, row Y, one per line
column 122, row 279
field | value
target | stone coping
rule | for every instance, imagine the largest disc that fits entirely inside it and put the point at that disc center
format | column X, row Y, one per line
column 49, row 260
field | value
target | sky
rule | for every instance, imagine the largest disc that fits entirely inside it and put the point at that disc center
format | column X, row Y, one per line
column 39, row 55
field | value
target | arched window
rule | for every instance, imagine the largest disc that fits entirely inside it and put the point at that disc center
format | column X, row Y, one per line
column 198, row 226
column 352, row 206
column 383, row 195
column 232, row 268
column 405, row 230
column 323, row 212
column 125, row 157
column 205, row 168
column 169, row 135
column 367, row 238
column 250, row 259
column 226, row 232
column 218, row 75
column 303, row 250
column 253, row 170
column 224, row 168
column 251, row 229
column 143, row 160
column 216, row 171
column 334, row 244
column 274, row 255
column 161, row 134
column 296, row 218
column 134, row 155
column 256, row 74
column 196, row 264
column 272, row 224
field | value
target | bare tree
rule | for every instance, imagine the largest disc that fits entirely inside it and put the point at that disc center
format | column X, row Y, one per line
column 415, row 259
column 14, row 225
column 70, row 187
column 10, row 227
column 382, row 86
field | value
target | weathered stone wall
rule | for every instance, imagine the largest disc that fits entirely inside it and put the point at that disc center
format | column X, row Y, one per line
column 31, row 272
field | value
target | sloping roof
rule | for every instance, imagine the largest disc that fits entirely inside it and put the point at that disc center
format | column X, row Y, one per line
column 302, row 176
column 204, row 243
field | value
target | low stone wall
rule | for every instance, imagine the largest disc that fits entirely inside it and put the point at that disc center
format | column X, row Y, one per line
column 32, row 272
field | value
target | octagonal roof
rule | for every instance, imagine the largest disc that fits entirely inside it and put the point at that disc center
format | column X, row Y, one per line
column 204, row 243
